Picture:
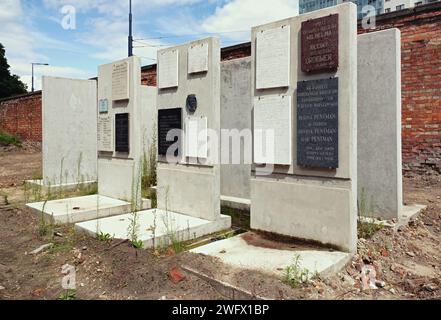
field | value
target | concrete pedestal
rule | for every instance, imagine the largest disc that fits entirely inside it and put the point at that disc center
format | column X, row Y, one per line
column 79, row 209
column 156, row 227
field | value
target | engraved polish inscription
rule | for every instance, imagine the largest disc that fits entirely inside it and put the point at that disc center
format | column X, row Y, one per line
column 320, row 44
column 317, row 123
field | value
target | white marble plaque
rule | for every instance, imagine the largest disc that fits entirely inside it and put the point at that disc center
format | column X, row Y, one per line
column 273, row 58
column 168, row 64
column 198, row 58
column 196, row 137
column 120, row 81
column 273, row 130
column 105, row 133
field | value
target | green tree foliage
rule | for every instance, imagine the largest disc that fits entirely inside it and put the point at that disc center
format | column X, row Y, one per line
column 10, row 84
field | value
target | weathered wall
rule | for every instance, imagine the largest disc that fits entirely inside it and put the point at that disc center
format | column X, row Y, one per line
column 236, row 114
column 379, row 122
column 69, row 131
column 21, row 116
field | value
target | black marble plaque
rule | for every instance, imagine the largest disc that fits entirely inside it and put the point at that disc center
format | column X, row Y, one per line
column 317, row 123
column 320, row 44
column 168, row 119
column 122, row 132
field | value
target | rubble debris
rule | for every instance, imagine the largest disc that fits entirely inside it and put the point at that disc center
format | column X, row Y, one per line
column 176, row 275
column 42, row 248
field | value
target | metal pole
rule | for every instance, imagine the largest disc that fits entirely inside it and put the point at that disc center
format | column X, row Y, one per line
column 130, row 30
column 32, row 77
column 33, row 65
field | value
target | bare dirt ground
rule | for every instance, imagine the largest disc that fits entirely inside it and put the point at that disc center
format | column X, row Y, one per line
column 407, row 262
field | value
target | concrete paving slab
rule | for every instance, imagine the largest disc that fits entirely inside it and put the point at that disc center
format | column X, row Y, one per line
column 236, row 252
column 72, row 210
column 408, row 213
column 236, row 203
column 168, row 225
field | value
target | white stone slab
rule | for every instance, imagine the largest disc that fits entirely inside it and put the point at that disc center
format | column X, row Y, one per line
column 168, row 65
column 69, row 110
column 273, row 114
column 237, row 253
column 168, row 224
column 105, row 133
column 198, row 57
column 120, row 81
column 78, row 209
column 196, row 137
column 379, row 169
column 273, row 58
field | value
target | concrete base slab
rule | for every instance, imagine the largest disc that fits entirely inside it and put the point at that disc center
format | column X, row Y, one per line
column 238, row 253
column 236, row 203
column 156, row 227
column 79, row 209
column 59, row 187
column 408, row 214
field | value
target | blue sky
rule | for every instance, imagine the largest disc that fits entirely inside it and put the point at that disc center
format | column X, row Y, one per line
column 32, row 31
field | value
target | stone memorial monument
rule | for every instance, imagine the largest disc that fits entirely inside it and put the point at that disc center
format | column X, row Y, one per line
column 69, row 125
column 124, row 128
column 304, row 181
column 189, row 99
column 380, row 178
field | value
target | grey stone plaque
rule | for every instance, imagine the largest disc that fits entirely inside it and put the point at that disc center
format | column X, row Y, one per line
column 317, row 123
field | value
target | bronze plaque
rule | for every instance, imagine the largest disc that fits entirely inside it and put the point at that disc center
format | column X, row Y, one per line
column 320, row 44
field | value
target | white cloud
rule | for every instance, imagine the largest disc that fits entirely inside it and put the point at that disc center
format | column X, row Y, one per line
column 22, row 42
column 244, row 14
column 233, row 19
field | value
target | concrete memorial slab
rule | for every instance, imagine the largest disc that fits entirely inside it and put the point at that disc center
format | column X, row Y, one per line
column 122, row 133
column 236, row 118
column 125, row 128
column 78, row 209
column 188, row 169
column 314, row 196
column 69, row 128
column 237, row 252
column 380, row 178
column 157, row 228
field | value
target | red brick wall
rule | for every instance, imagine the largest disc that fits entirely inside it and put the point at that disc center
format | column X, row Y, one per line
column 421, row 85
column 148, row 76
column 21, row 116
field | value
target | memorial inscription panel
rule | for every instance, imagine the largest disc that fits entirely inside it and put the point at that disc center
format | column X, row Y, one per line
column 273, row 54
column 120, row 81
column 272, row 130
column 168, row 74
column 122, row 132
column 168, row 119
column 196, row 138
column 105, row 134
column 320, row 44
column 198, row 58
column 317, row 123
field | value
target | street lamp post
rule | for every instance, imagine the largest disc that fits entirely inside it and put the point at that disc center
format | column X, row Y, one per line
column 36, row 64
column 130, row 30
